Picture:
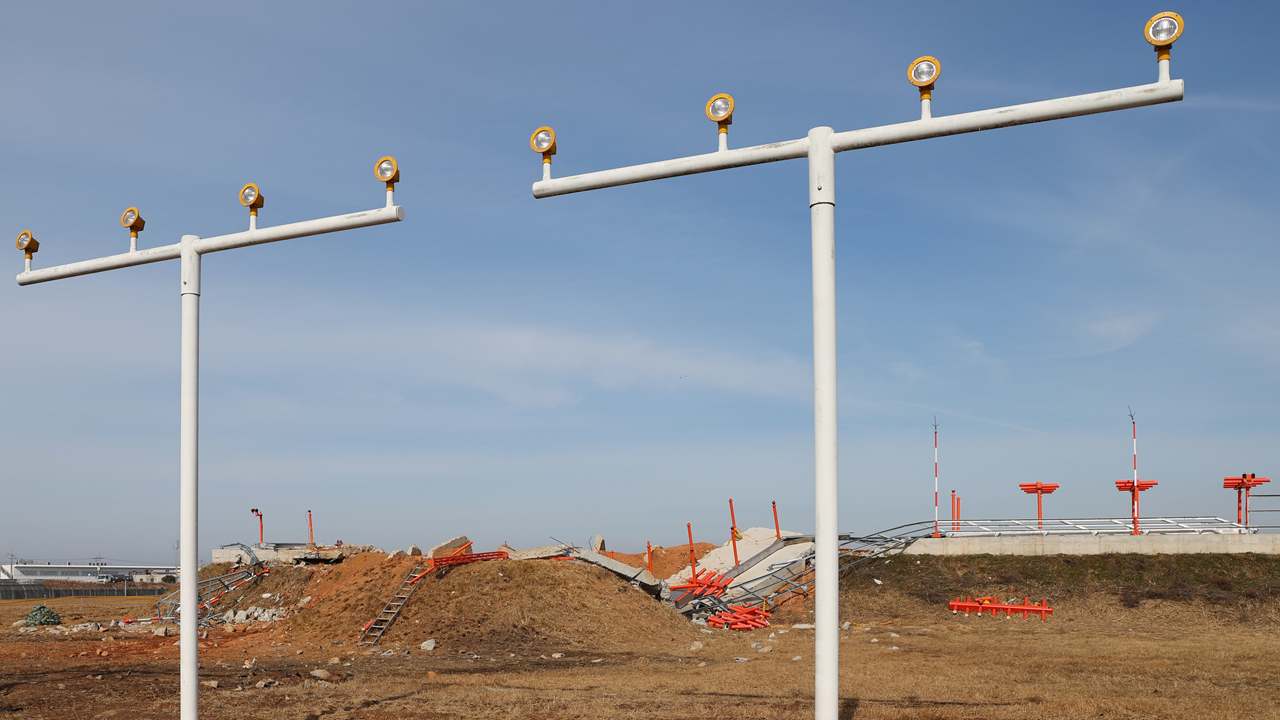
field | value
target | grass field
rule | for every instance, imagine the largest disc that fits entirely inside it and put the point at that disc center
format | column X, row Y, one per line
column 1130, row 638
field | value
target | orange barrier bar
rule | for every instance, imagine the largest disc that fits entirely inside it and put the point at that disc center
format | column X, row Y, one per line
column 693, row 561
column 994, row 605
column 733, row 532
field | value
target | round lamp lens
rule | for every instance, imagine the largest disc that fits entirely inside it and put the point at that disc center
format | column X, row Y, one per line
column 248, row 195
column 542, row 140
column 130, row 216
column 23, row 240
column 1163, row 29
column 924, row 72
column 386, row 169
column 720, row 107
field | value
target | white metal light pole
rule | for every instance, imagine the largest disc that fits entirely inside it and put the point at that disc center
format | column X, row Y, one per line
column 189, row 251
column 820, row 148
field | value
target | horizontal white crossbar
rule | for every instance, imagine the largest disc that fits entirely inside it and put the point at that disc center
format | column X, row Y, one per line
column 1074, row 106
column 320, row 226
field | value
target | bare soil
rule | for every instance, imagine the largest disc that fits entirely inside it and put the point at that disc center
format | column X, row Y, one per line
column 1112, row 649
column 666, row 561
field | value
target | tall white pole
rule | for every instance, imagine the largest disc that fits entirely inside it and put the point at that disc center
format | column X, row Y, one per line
column 1134, row 420
column 822, row 213
column 935, row 477
column 189, row 468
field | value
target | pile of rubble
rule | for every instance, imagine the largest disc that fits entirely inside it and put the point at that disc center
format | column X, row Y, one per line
column 41, row 615
column 254, row 614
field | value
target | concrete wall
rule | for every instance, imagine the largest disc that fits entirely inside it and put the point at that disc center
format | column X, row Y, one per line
column 1097, row 545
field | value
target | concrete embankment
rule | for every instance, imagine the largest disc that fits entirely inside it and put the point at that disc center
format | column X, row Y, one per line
column 1098, row 545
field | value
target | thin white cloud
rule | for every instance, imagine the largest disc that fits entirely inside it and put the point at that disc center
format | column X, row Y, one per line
column 539, row 366
column 1113, row 331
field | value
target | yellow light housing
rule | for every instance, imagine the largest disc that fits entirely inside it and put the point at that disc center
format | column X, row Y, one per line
column 387, row 170
column 924, row 71
column 132, row 219
column 251, row 197
column 543, row 142
column 27, row 242
column 1163, row 29
column 720, row 109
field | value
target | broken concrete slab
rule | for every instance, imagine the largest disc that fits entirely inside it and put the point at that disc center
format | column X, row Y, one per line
column 539, row 553
column 414, row 551
column 641, row 577
column 397, row 554
column 448, row 547
column 753, row 542
column 597, row 544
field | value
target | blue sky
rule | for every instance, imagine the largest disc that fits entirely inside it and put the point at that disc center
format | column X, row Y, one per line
column 623, row 361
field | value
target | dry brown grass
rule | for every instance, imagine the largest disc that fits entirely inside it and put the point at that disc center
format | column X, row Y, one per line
column 1096, row 657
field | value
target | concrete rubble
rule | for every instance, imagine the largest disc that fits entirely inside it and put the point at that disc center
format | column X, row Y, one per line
column 448, row 547
column 254, row 614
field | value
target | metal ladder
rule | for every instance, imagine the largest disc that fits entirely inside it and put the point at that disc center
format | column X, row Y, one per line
column 374, row 630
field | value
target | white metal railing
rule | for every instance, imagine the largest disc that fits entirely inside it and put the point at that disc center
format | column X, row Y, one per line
column 1092, row 526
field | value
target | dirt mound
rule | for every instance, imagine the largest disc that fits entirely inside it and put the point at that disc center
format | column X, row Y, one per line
column 666, row 561
column 516, row 606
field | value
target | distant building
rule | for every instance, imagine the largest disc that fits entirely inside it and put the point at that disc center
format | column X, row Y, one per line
column 34, row 572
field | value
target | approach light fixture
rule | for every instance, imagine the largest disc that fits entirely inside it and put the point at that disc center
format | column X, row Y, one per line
column 132, row 219
column 543, row 140
column 27, row 243
column 720, row 110
column 1163, row 29
column 923, row 72
column 388, row 171
column 251, row 197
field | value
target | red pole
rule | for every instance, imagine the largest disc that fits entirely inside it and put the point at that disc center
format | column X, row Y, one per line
column 1135, row 475
column 777, row 529
column 953, row 510
column 648, row 554
column 1247, row 489
column 1040, row 508
column 255, row 512
column 693, row 561
column 733, row 532
column 311, row 532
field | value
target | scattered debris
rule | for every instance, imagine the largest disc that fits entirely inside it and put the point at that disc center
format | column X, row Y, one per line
column 740, row 618
column 428, row 645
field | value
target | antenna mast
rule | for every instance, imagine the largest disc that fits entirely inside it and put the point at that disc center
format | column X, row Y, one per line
column 935, row 477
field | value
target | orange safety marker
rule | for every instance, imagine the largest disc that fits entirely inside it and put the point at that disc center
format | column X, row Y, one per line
column 1039, row 489
column 777, row 529
column 733, row 533
column 994, row 605
column 711, row 584
column 693, row 560
column 738, row 617
column 648, row 555
column 1243, row 486
column 457, row 558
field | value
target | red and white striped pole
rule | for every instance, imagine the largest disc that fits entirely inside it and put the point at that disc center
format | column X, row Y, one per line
column 1134, row 420
column 935, row 477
